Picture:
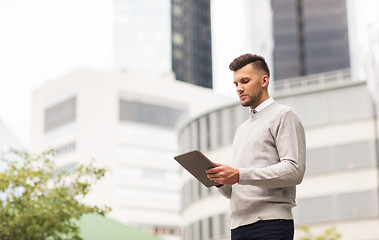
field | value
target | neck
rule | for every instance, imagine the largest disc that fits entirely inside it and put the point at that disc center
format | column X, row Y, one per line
column 263, row 98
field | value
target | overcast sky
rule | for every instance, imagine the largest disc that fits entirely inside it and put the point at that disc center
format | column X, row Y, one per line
column 42, row 40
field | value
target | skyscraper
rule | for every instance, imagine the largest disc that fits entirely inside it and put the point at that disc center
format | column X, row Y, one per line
column 309, row 37
column 191, row 41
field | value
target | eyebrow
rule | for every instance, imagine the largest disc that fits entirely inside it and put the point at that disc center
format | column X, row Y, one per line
column 241, row 79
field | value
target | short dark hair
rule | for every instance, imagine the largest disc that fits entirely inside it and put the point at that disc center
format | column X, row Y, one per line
column 241, row 61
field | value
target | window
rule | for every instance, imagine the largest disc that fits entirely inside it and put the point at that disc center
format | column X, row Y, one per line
column 223, row 224
column 60, row 114
column 65, row 149
column 149, row 113
column 208, row 131
column 143, row 195
column 70, row 168
column 210, row 227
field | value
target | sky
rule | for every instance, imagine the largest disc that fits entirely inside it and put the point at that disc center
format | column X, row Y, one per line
column 40, row 41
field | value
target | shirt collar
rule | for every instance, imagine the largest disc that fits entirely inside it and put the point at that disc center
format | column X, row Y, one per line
column 264, row 104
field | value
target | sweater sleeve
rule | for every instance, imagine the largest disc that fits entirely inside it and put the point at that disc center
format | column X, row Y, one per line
column 290, row 144
column 226, row 191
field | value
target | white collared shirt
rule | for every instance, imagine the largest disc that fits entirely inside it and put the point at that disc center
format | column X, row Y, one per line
column 264, row 104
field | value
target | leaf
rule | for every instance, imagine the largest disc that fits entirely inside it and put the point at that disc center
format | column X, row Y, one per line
column 39, row 202
column 329, row 234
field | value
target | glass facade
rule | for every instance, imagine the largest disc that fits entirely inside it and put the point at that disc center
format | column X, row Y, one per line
column 286, row 47
column 191, row 41
column 311, row 36
column 326, row 36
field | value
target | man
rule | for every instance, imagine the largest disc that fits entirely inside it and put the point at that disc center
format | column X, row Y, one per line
column 268, row 159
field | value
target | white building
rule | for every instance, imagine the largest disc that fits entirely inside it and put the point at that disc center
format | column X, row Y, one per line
column 340, row 188
column 127, row 124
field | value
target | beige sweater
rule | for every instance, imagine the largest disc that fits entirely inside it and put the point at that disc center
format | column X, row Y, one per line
column 269, row 151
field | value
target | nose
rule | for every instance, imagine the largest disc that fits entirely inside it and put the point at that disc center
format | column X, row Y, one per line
column 239, row 88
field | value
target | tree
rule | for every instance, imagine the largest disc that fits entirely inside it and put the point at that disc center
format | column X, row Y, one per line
column 328, row 234
column 38, row 201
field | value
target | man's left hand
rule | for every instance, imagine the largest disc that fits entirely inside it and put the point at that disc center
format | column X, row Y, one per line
column 223, row 174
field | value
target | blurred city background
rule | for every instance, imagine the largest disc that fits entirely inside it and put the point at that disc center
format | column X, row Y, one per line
column 132, row 83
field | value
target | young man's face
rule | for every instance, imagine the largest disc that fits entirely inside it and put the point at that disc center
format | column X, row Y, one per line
column 251, row 85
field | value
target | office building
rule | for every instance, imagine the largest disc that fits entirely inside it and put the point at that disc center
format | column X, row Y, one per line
column 127, row 123
column 340, row 188
column 150, row 39
column 310, row 36
column 191, row 41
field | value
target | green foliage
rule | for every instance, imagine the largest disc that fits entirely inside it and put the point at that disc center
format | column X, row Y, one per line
column 328, row 234
column 39, row 202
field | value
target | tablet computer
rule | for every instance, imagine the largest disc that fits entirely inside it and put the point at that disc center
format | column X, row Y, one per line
column 196, row 163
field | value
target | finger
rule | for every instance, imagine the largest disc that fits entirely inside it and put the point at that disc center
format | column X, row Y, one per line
column 212, row 170
column 212, row 176
column 215, row 179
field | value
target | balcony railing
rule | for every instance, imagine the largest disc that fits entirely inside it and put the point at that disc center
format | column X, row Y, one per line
column 313, row 82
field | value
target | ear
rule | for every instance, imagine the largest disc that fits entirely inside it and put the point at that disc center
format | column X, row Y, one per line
column 265, row 81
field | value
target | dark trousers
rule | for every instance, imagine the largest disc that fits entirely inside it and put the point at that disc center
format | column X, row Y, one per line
column 265, row 230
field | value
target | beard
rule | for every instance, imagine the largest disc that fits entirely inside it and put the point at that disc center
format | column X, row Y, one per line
column 252, row 100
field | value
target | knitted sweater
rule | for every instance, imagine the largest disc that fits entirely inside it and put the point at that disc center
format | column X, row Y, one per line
column 269, row 151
